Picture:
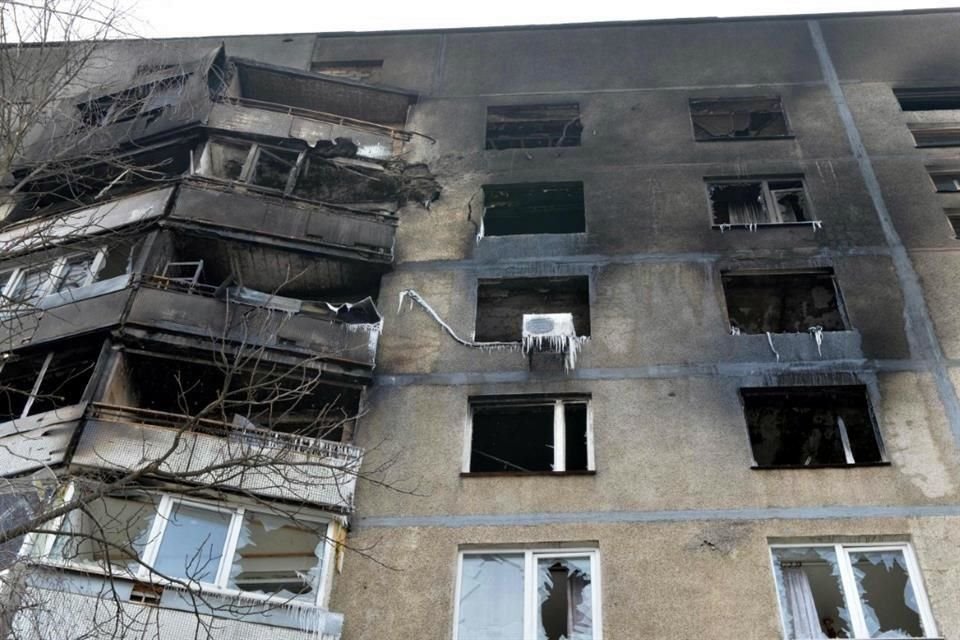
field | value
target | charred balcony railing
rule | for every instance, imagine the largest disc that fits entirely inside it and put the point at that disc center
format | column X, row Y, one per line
column 201, row 450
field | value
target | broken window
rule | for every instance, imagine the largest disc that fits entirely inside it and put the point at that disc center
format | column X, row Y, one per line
column 169, row 538
column 39, row 382
column 756, row 202
column 25, row 286
column 501, row 305
column 811, row 426
column 851, row 591
column 946, row 181
column 953, row 215
column 492, row 601
column 738, row 118
column 551, row 207
column 529, row 434
column 271, row 168
column 783, row 302
column 928, row 98
column 359, row 70
column 530, row 126
column 131, row 103
column 107, row 532
column 936, row 136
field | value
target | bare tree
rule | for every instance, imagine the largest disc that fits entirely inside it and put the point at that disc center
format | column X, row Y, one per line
column 204, row 465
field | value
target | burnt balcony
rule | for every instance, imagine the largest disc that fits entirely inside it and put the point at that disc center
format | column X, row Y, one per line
column 231, row 454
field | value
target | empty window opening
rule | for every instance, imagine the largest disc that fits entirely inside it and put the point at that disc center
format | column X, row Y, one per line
column 285, row 400
column 738, row 118
column 953, row 215
column 501, row 305
column 811, row 426
column 946, row 181
column 551, row 207
column 39, row 382
column 494, row 588
column 783, row 302
column 936, row 136
column 928, row 99
column 528, row 435
column 359, row 70
column 851, row 591
column 531, row 126
column 276, row 557
column 752, row 202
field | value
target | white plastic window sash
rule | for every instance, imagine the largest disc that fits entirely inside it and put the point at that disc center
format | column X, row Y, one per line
column 531, row 604
column 559, row 432
column 851, row 593
column 54, row 274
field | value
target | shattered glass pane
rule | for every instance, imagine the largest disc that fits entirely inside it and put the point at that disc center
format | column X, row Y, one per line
column 491, row 597
column 273, row 168
column 275, row 557
column 811, row 593
column 565, row 604
column 227, row 159
column 192, row 543
column 887, row 595
column 107, row 532
column 30, row 285
column 75, row 273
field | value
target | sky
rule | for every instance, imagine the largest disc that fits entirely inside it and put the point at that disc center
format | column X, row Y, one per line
column 173, row 18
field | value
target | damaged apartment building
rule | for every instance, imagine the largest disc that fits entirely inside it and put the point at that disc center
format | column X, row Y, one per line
column 582, row 332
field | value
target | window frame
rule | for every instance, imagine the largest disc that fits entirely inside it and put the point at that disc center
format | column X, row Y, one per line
column 41, row 545
column 38, row 383
column 250, row 163
column 530, row 604
column 952, row 174
column 849, row 584
column 52, row 280
column 559, row 401
column 506, row 108
column 769, row 202
column 783, row 112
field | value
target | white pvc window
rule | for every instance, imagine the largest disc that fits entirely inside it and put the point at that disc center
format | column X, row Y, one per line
column 851, row 591
column 528, row 595
column 210, row 546
column 25, row 286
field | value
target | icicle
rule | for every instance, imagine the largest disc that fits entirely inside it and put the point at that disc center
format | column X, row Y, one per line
column 413, row 296
column 751, row 226
column 480, row 232
column 772, row 348
column 817, row 332
column 816, row 224
column 724, row 226
column 734, row 331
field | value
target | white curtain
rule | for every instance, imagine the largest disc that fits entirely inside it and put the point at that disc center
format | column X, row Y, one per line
column 799, row 596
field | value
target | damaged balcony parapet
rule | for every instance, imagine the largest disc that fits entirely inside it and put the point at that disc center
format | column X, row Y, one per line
column 40, row 232
column 341, row 232
column 317, row 471
column 812, row 346
column 243, row 115
column 271, row 322
column 62, row 596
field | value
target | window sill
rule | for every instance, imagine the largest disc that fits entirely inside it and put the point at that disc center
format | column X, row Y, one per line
column 882, row 463
column 498, row 474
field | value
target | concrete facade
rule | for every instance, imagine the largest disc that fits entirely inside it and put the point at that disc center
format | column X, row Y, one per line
column 680, row 514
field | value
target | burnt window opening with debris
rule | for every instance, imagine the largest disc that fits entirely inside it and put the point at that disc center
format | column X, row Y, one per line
column 358, row 70
column 271, row 397
column 811, row 426
column 928, row 98
column 738, row 118
column 946, row 181
column 501, row 305
column 132, row 103
column 533, row 126
column 38, row 382
column 795, row 302
column 529, row 434
column 758, row 202
column 936, row 136
column 533, row 208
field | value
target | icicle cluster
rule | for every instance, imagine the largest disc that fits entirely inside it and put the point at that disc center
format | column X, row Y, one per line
column 569, row 346
column 817, row 333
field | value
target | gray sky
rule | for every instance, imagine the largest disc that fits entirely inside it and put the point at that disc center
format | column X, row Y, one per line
column 170, row 18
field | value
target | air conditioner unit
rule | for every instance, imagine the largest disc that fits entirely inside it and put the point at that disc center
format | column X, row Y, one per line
column 551, row 333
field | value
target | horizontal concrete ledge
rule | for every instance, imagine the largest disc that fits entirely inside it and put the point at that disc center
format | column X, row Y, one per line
column 627, row 517
column 723, row 369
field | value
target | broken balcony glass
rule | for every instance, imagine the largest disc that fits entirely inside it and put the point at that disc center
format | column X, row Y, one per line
column 565, row 601
column 491, row 597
